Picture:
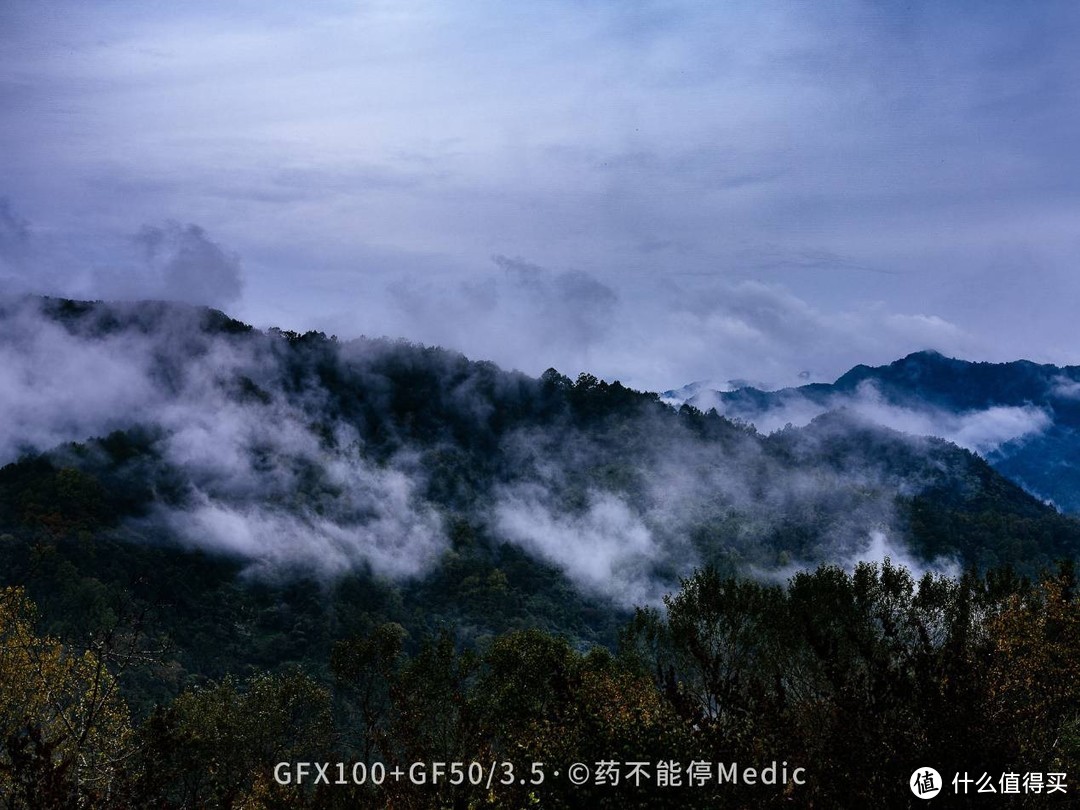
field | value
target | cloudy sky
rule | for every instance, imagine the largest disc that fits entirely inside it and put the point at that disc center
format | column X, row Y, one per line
column 658, row 192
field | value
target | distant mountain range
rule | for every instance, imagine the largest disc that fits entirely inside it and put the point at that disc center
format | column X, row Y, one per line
column 1023, row 417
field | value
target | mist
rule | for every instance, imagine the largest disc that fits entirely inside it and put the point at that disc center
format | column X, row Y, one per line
column 626, row 516
column 242, row 457
column 981, row 431
column 305, row 454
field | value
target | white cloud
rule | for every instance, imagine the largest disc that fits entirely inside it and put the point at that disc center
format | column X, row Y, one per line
column 881, row 546
column 401, row 540
column 55, row 388
column 605, row 549
column 248, row 461
column 1066, row 387
column 927, row 164
column 646, row 333
column 982, row 431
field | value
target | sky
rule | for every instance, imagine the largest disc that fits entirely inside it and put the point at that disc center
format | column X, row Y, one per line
column 655, row 192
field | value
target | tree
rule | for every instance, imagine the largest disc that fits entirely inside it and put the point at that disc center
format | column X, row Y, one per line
column 64, row 730
column 1034, row 678
column 216, row 746
column 363, row 670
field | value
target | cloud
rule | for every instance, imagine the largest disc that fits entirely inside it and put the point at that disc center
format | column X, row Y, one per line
column 880, row 547
column 255, row 456
column 681, row 502
column 605, row 549
column 1066, row 387
column 14, row 235
column 648, row 333
column 851, row 167
column 577, row 306
column 900, row 172
column 507, row 316
column 173, row 262
column 985, row 431
column 271, row 477
column 982, row 431
column 193, row 268
column 29, row 261
column 170, row 261
column 56, row 388
column 400, row 540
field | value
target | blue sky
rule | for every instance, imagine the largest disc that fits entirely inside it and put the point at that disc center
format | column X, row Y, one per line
column 655, row 192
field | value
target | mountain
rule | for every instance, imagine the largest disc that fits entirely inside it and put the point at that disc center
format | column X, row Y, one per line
column 223, row 549
column 266, row 492
column 1022, row 416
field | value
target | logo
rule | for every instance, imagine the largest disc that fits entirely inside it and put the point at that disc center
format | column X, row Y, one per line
column 925, row 783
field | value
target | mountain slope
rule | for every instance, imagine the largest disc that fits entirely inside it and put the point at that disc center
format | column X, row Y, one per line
column 268, row 492
column 1023, row 417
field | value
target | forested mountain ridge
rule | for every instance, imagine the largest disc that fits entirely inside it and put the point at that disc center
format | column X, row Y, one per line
column 301, row 451
column 1023, row 417
column 179, row 426
column 446, row 490
column 420, row 550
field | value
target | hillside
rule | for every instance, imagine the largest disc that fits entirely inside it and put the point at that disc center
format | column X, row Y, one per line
column 372, row 479
column 1022, row 416
column 271, row 545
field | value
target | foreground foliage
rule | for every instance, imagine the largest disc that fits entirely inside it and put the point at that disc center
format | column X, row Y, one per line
column 858, row 677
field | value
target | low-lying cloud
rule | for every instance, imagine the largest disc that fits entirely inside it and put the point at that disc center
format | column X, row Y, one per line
column 245, row 459
column 878, row 547
column 881, row 547
column 272, row 470
column 606, row 548
column 649, row 331
column 626, row 517
column 982, row 431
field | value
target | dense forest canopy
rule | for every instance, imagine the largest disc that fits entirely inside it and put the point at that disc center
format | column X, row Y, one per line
column 401, row 553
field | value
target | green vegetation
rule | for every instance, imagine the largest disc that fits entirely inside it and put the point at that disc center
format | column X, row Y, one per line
column 144, row 662
column 856, row 677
